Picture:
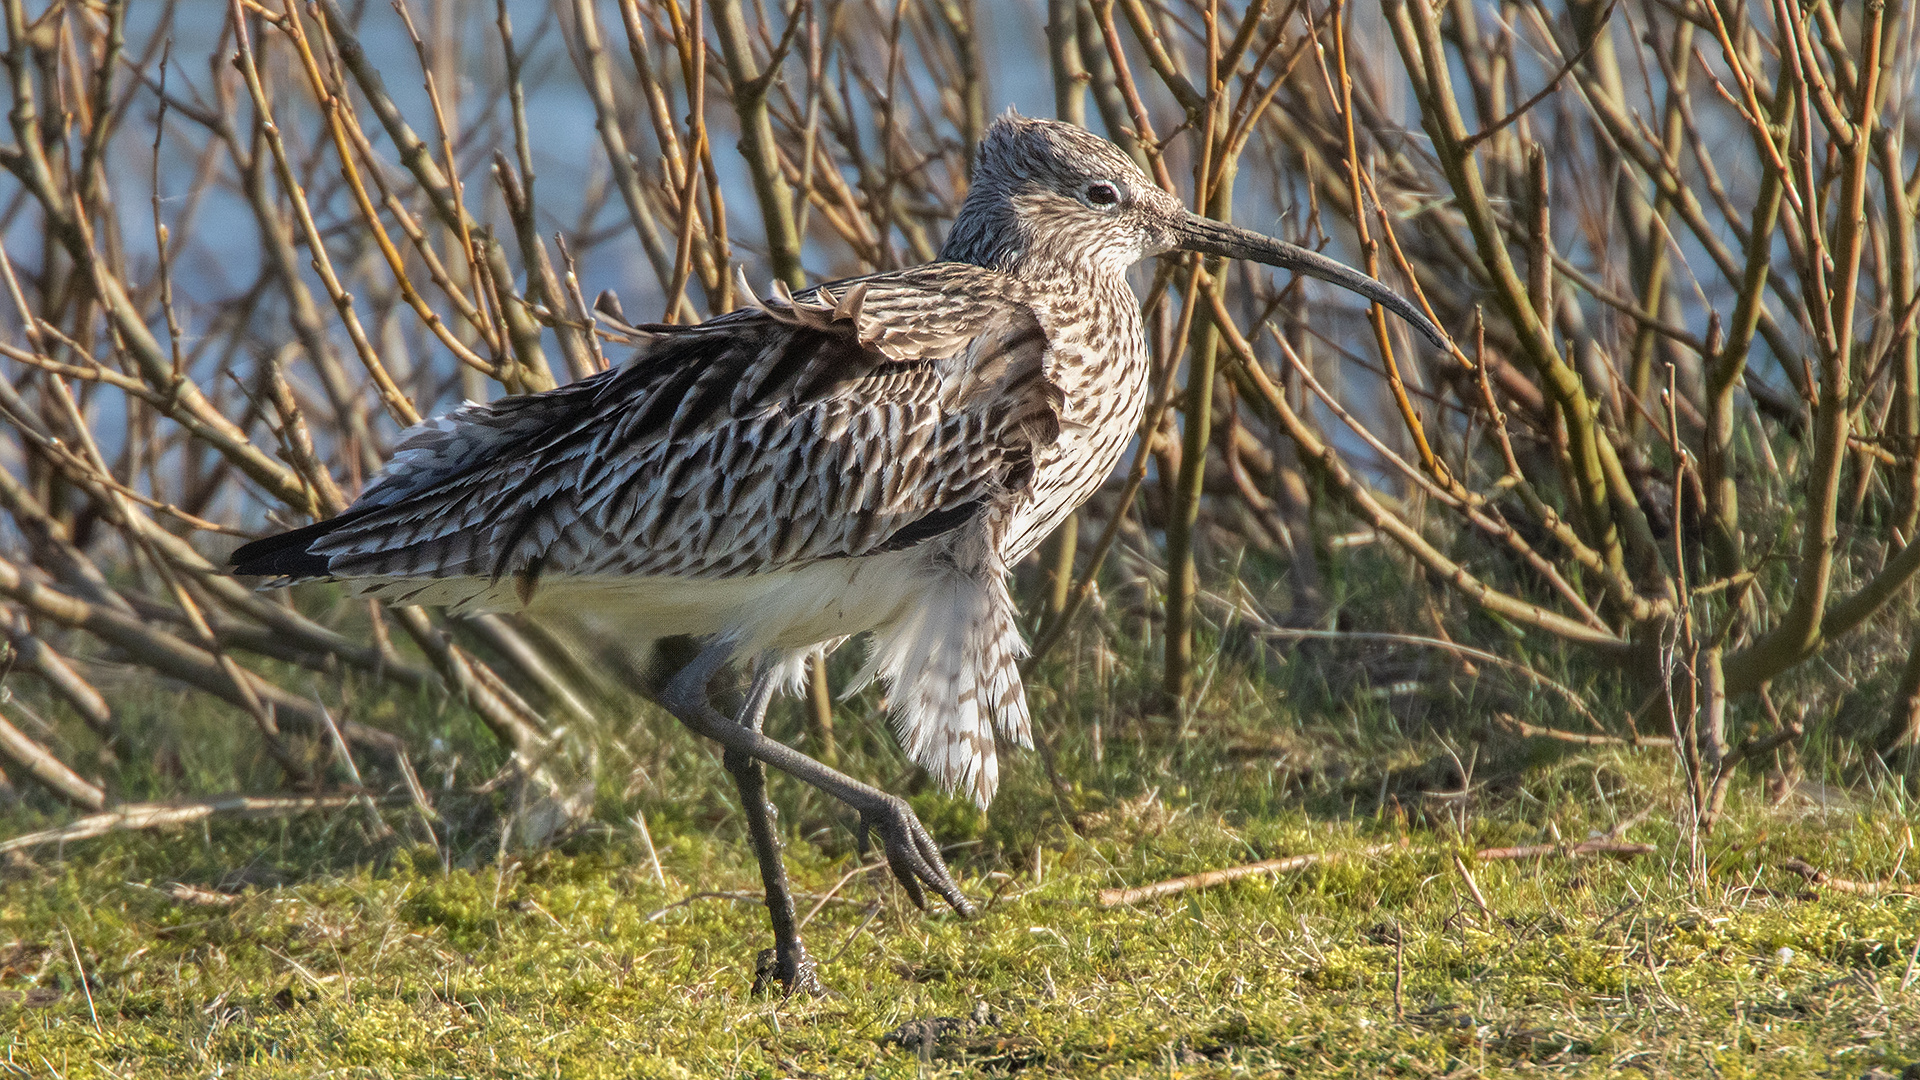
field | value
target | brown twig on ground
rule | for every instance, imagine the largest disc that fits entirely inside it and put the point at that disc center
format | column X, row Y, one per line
column 162, row 815
column 1616, row 848
column 1207, row 880
column 1535, row 731
column 194, row 895
column 1820, row 879
column 1473, row 887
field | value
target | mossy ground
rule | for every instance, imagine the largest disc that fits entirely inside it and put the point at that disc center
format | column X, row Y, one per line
column 341, row 956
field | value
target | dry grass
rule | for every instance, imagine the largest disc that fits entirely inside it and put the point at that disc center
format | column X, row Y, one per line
column 302, row 948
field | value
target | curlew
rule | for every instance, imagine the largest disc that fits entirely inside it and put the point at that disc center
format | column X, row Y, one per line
column 868, row 456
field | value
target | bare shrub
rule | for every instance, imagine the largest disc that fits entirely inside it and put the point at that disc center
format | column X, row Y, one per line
column 1675, row 242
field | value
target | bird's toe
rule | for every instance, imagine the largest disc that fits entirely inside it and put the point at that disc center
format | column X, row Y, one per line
column 797, row 973
column 912, row 855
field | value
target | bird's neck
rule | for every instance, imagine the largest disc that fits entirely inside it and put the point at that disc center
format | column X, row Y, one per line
column 1082, row 278
column 1098, row 346
column 985, row 234
column 999, row 238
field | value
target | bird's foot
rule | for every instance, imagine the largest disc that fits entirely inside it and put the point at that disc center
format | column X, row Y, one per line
column 911, row 853
column 799, row 974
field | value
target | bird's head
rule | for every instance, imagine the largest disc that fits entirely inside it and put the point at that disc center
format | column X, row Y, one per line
column 1044, row 191
column 1048, row 194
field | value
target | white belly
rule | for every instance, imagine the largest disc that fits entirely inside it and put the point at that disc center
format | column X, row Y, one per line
column 791, row 609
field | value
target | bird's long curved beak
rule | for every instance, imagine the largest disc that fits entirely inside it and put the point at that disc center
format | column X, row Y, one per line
column 1211, row 237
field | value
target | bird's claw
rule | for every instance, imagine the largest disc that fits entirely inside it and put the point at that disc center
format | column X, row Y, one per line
column 799, row 975
column 911, row 854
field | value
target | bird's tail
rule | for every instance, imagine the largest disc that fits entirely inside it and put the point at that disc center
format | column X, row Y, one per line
column 953, row 674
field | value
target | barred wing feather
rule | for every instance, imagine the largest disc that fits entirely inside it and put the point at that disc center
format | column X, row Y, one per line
column 771, row 463
column 808, row 429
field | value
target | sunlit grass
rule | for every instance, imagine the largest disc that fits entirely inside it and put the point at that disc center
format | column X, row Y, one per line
column 340, row 956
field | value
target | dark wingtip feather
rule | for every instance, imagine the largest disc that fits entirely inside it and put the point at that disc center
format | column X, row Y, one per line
column 931, row 525
column 288, row 555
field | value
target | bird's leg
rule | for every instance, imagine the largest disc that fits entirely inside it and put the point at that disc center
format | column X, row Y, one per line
column 911, row 854
column 788, row 962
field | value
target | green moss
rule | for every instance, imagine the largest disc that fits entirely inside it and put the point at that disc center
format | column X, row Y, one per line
column 343, row 956
column 567, row 965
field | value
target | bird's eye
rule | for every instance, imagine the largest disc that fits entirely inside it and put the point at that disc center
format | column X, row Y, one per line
column 1102, row 194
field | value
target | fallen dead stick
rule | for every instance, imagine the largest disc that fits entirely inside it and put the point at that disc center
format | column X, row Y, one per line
column 1120, row 897
column 1619, row 848
column 182, row 893
column 163, row 815
column 1822, row 880
column 1207, row 880
column 1535, row 731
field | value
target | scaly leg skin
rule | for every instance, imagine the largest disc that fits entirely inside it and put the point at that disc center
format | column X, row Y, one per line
column 787, row 961
column 911, row 853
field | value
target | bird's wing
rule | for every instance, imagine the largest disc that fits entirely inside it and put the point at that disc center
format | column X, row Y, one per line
column 850, row 420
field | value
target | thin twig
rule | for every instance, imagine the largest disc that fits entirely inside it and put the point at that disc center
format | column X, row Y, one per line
column 1616, row 848
column 80, row 972
column 1473, row 887
column 1820, row 879
column 133, row 816
column 1553, row 84
column 1207, row 880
